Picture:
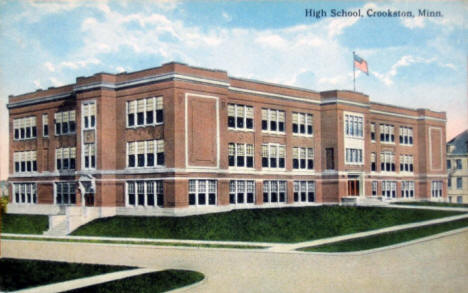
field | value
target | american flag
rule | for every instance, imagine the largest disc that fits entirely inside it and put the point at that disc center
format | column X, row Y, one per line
column 361, row 64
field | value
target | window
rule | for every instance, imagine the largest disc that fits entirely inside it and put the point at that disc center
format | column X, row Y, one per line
column 436, row 189
column 24, row 193
column 373, row 159
column 449, row 182
column 330, row 158
column 353, row 156
column 406, row 135
column 407, row 189
column 387, row 133
column 202, row 192
column 273, row 120
column 372, row 132
column 304, row 191
column 65, row 193
column 240, row 155
column 387, row 162
column 354, row 125
column 459, row 183
column 274, row 191
column 374, row 188
column 240, row 116
column 145, row 193
column 302, row 123
column 65, row 158
column 459, row 164
column 449, row 164
column 89, row 153
column 25, row 161
column 303, row 158
column 45, row 125
column 241, row 192
column 459, row 199
column 273, row 156
column 24, row 128
column 145, row 112
column 65, row 122
column 389, row 189
column 89, row 115
column 141, row 154
column 406, row 163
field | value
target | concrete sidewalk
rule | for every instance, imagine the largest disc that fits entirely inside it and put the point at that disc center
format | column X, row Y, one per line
column 89, row 281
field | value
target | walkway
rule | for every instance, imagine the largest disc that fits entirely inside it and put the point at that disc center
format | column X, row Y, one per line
column 85, row 282
column 438, row 265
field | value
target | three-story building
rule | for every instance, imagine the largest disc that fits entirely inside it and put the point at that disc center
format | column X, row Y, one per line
column 178, row 138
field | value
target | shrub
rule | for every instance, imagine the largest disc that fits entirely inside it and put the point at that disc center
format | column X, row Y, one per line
column 3, row 204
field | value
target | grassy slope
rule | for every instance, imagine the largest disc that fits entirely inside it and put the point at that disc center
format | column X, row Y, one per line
column 152, row 282
column 20, row 274
column 387, row 239
column 434, row 204
column 24, row 224
column 268, row 225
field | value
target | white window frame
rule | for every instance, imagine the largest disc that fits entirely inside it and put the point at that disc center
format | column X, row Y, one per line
column 157, row 149
column 22, row 125
column 436, row 189
column 353, row 125
column 88, row 112
column 374, row 187
column 280, row 186
column 71, row 187
column 68, row 158
column 309, row 155
column 302, row 190
column 389, row 189
column 387, row 129
column 387, row 157
column 240, row 189
column 459, row 182
column 203, row 186
column 354, row 156
column 246, row 146
column 407, row 189
column 269, row 120
column 158, row 193
column 305, row 119
column 30, row 193
column 45, row 122
column 25, row 157
column 407, row 163
column 59, row 117
column 156, row 102
column 245, row 116
column 406, row 133
column 278, row 148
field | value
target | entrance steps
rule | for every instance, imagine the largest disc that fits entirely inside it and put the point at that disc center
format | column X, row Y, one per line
column 74, row 217
column 363, row 201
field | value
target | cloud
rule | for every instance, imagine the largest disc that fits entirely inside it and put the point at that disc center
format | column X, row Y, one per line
column 412, row 23
column 226, row 16
column 55, row 81
column 37, row 83
column 49, row 66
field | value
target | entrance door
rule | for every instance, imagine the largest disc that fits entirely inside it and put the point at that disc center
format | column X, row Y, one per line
column 89, row 199
column 353, row 187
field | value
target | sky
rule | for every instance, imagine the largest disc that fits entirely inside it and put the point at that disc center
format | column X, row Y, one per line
column 417, row 62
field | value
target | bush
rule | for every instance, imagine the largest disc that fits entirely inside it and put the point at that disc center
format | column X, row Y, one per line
column 3, row 204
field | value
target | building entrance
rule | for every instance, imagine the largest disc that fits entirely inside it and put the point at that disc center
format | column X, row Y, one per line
column 353, row 187
column 89, row 199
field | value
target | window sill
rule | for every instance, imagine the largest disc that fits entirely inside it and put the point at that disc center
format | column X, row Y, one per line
column 387, row 142
column 269, row 132
column 145, row 125
column 302, row 135
column 241, row 129
column 25, row 139
column 65, row 134
column 354, row 136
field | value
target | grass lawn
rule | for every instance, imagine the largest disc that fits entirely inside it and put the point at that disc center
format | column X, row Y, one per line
column 24, row 224
column 387, row 239
column 152, row 282
column 265, row 225
column 20, row 274
column 435, row 204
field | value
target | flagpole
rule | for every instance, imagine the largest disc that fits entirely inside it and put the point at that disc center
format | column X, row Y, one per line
column 354, row 74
